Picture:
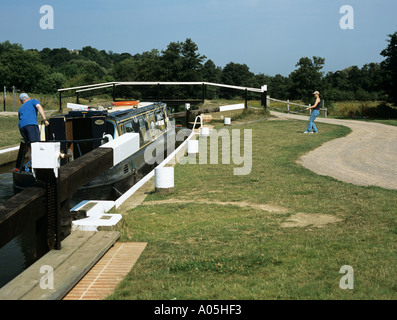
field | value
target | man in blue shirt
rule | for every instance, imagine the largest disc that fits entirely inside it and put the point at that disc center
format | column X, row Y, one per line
column 27, row 115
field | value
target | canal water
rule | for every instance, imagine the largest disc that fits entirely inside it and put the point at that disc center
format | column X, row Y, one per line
column 19, row 253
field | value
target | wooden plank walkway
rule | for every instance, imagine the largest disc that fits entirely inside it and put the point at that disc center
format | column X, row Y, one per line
column 80, row 252
column 103, row 278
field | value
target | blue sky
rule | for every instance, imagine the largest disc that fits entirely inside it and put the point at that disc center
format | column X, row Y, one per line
column 270, row 36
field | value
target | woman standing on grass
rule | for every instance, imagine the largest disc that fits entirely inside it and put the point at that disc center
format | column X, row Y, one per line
column 315, row 113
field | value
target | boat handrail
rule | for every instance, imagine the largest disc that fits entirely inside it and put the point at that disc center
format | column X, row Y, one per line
column 79, row 141
column 195, row 121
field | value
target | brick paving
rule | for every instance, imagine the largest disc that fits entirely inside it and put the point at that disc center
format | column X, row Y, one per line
column 103, row 278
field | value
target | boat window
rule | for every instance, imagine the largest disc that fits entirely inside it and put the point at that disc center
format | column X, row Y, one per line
column 155, row 129
column 159, row 115
column 151, row 120
column 135, row 124
column 128, row 127
column 141, row 122
column 110, row 128
column 160, row 120
column 144, row 134
column 122, row 128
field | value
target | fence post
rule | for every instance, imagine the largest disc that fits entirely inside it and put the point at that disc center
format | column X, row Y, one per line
column 264, row 97
column 13, row 98
column 187, row 107
column 5, row 96
column 246, row 99
column 288, row 106
column 60, row 101
column 114, row 92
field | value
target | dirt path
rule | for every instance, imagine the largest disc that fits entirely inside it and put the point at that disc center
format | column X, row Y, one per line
column 8, row 114
column 302, row 220
column 366, row 157
column 241, row 204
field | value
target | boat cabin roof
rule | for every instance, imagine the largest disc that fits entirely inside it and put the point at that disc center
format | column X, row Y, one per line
column 128, row 108
column 115, row 113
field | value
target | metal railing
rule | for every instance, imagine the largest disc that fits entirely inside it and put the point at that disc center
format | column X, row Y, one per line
column 83, row 89
column 289, row 103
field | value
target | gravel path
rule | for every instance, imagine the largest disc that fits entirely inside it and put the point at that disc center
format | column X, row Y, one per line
column 366, row 157
column 8, row 114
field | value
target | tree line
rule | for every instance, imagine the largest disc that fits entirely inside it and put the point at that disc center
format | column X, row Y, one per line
column 47, row 70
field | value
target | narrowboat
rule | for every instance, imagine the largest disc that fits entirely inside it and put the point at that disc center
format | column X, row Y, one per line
column 85, row 129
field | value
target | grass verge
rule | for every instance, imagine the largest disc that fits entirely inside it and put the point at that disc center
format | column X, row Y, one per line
column 212, row 239
column 9, row 131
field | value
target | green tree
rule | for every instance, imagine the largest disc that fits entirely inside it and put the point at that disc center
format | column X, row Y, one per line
column 237, row 74
column 150, row 67
column 389, row 66
column 115, row 58
column 278, row 87
column 51, row 83
column 307, row 78
column 126, row 70
column 373, row 77
column 92, row 54
column 20, row 68
column 211, row 73
column 172, row 62
column 87, row 72
column 55, row 58
column 7, row 46
column 192, row 61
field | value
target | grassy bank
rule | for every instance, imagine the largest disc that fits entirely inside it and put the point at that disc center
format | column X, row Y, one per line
column 48, row 101
column 377, row 111
column 215, row 237
column 9, row 131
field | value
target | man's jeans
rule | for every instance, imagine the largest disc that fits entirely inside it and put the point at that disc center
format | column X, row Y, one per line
column 313, row 117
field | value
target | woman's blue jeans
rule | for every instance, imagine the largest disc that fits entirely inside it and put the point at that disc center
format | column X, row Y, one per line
column 313, row 117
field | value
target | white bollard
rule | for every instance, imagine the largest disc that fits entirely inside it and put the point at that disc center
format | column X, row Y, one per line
column 228, row 121
column 204, row 131
column 192, row 147
column 164, row 180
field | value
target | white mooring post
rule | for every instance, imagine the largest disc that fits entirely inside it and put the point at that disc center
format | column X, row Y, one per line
column 46, row 156
column 164, row 180
column 204, row 132
column 192, row 147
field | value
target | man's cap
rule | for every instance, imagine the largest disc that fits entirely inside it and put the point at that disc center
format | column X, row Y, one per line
column 316, row 92
column 23, row 97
